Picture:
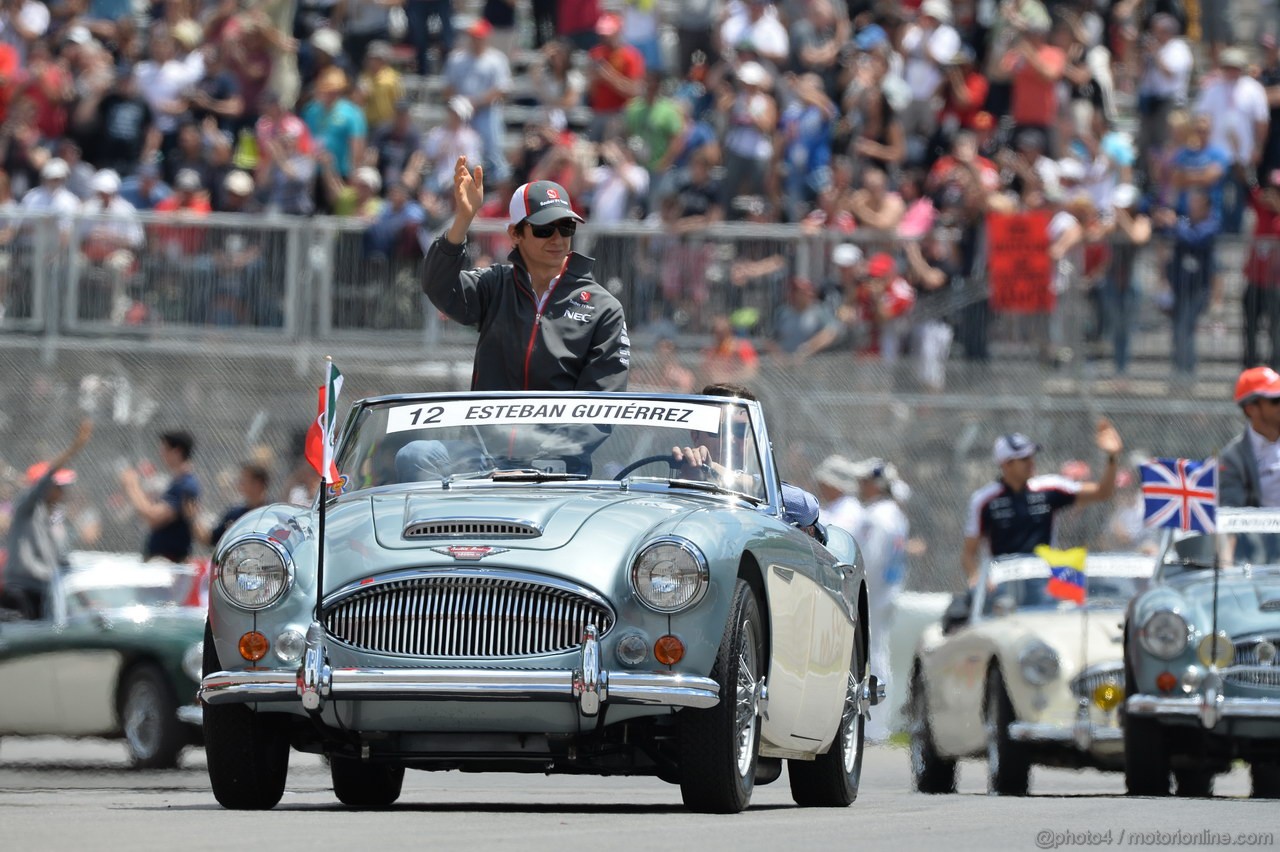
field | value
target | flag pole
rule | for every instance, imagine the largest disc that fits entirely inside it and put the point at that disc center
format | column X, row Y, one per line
column 1217, row 566
column 324, row 489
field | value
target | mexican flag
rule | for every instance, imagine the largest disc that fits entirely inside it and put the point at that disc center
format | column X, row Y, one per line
column 320, row 436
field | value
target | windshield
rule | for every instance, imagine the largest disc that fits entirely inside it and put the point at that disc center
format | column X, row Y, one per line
column 480, row 437
column 89, row 590
column 1235, row 550
column 1024, row 584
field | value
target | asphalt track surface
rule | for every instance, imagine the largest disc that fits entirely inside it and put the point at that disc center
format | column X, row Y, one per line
column 81, row 795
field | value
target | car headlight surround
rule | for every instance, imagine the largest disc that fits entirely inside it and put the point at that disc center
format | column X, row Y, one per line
column 1039, row 663
column 1165, row 634
column 670, row 575
column 254, row 572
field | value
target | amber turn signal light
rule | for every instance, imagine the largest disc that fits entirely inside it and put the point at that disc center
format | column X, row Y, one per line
column 1166, row 682
column 668, row 650
column 253, row 646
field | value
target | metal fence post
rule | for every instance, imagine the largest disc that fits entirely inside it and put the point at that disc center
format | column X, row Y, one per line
column 45, row 287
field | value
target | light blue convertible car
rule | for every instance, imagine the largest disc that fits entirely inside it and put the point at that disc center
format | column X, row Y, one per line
column 518, row 582
column 1200, row 661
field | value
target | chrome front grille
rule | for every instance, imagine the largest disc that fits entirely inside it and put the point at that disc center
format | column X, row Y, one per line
column 490, row 615
column 1095, row 676
column 1247, row 655
column 463, row 528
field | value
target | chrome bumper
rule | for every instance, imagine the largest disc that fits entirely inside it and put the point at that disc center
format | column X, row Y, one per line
column 589, row 685
column 1083, row 736
column 1209, row 704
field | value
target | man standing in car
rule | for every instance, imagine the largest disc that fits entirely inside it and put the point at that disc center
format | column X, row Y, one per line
column 544, row 321
column 1015, row 513
column 37, row 534
column 1249, row 466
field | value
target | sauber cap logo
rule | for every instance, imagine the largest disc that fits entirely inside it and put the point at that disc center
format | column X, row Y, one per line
column 552, row 194
column 469, row 553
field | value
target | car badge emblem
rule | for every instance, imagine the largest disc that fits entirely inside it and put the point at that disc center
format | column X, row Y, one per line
column 469, row 553
column 342, row 483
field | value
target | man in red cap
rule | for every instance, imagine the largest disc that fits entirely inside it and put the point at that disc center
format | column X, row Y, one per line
column 1249, row 466
column 615, row 76
column 544, row 321
column 38, row 541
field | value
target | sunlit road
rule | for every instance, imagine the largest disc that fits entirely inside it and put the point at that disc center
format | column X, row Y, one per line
column 57, row 794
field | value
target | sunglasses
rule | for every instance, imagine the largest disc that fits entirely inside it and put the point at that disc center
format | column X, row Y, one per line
column 566, row 227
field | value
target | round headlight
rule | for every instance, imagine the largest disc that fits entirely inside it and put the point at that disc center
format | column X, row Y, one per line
column 670, row 575
column 1039, row 663
column 1165, row 635
column 254, row 573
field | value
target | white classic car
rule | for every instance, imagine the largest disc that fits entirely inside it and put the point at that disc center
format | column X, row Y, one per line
column 1023, row 677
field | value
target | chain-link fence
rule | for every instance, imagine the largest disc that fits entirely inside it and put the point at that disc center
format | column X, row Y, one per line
column 243, row 380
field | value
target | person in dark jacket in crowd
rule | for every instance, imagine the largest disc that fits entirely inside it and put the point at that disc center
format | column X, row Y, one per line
column 37, row 535
column 168, row 518
column 544, row 322
column 1249, row 466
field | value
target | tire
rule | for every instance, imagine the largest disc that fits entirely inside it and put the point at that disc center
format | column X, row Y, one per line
column 149, row 719
column 359, row 784
column 1265, row 778
column 247, row 752
column 930, row 772
column 831, row 780
column 1146, row 757
column 719, row 745
column 1194, row 783
column 1008, row 767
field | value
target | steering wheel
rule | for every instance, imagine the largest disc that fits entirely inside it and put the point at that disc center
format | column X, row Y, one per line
column 639, row 463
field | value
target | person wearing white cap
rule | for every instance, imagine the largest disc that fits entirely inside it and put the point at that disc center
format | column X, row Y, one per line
column 882, row 537
column 52, row 198
column 110, row 235
column 481, row 73
column 445, row 143
column 545, row 323
column 928, row 46
column 1240, row 114
column 1015, row 513
column 837, row 493
column 1131, row 230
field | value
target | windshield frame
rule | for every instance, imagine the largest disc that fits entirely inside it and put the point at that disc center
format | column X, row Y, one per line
column 1104, row 563
column 772, row 501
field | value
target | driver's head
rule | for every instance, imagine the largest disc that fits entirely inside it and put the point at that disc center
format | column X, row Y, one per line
column 741, row 420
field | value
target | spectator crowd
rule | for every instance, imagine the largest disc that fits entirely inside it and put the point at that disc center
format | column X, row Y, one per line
column 887, row 133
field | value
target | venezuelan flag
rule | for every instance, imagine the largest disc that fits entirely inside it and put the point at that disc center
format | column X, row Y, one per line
column 1067, row 580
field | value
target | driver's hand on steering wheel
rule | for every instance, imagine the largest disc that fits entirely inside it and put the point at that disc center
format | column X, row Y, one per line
column 693, row 462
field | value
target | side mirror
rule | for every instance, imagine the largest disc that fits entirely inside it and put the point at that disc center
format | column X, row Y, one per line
column 957, row 612
column 1003, row 605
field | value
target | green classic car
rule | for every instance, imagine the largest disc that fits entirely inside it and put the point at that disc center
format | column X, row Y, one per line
column 533, row 583
column 1200, row 661
column 118, row 657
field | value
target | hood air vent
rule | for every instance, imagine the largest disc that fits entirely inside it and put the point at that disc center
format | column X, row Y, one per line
column 463, row 528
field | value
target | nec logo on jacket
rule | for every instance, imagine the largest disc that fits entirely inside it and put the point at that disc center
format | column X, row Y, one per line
column 580, row 316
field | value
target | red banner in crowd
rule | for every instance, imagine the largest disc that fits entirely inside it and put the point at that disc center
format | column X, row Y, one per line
column 1018, row 265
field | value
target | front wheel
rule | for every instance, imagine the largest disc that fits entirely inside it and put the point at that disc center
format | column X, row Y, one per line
column 358, row 784
column 1008, row 768
column 719, row 746
column 930, row 771
column 1265, row 778
column 149, row 718
column 1146, row 759
column 831, row 780
column 247, row 752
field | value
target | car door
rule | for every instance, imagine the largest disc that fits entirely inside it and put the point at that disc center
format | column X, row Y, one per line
column 955, row 681
column 86, row 669
column 27, row 699
column 791, row 594
column 831, row 634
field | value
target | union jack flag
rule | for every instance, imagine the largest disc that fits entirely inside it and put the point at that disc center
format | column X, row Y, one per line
column 1180, row 493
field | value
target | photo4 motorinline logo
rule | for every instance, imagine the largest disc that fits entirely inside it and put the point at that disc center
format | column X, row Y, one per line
column 1050, row 839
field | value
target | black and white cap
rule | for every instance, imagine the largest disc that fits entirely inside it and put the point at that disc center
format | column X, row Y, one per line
column 1014, row 445
column 540, row 203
